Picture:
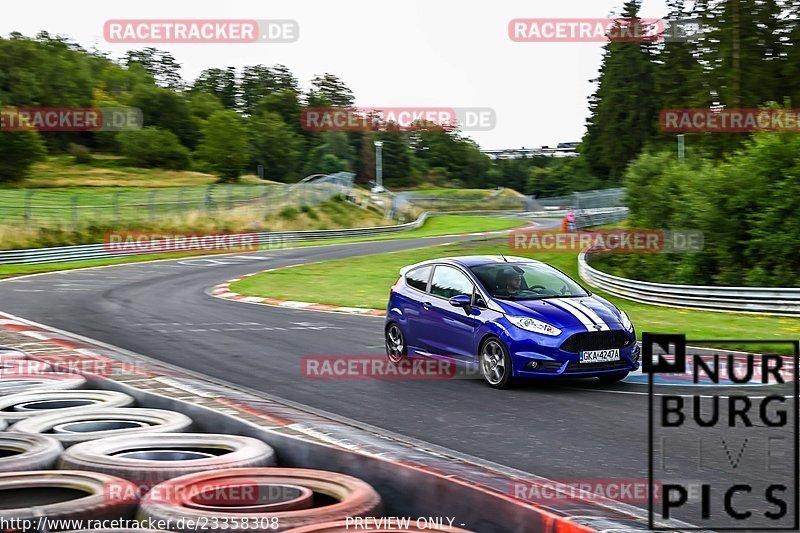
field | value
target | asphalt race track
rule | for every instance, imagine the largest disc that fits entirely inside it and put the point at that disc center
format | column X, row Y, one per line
column 565, row 431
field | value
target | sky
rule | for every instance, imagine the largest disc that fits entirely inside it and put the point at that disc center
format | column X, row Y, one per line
column 391, row 53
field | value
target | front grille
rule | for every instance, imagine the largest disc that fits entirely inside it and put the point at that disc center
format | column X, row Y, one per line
column 596, row 340
column 591, row 367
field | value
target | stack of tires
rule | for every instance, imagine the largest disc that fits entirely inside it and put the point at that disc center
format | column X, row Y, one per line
column 68, row 453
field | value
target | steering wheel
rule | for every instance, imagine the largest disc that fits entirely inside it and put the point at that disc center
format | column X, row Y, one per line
column 537, row 287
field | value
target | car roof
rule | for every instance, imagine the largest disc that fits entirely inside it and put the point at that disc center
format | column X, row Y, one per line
column 473, row 260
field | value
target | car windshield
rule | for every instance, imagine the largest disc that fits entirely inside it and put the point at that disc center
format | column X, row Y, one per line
column 526, row 281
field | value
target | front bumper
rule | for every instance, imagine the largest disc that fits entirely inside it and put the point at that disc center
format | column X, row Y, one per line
column 536, row 357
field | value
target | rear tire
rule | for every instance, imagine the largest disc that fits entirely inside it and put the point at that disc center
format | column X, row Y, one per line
column 495, row 363
column 614, row 377
column 396, row 349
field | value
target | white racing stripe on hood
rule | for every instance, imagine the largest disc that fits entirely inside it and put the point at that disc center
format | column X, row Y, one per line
column 581, row 308
column 588, row 324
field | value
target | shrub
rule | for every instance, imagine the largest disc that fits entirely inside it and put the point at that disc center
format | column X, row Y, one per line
column 80, row 153
column 152, row 147
column 18, row 151
column 289, row 213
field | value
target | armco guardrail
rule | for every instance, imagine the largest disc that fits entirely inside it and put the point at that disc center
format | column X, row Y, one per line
column 600, row 216
column 773, row 301
column 88, row 252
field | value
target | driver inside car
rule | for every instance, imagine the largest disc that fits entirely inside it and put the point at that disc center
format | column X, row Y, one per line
column 512, row 283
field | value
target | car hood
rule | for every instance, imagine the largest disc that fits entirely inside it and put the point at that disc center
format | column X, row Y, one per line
column 582, row 313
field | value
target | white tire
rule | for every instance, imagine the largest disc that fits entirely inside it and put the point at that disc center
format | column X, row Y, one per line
column 64, row 495
column 150, row 459
column 25, row 451
column 18, row 383
column 92, row 424
column 16, row 407
column 346, row 497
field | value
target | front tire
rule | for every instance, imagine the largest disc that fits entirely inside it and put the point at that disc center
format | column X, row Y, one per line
column 396, row 349
column 614, row 377
column 496, row 364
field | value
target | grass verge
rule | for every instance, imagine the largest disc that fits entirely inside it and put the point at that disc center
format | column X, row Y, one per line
column 365, row 282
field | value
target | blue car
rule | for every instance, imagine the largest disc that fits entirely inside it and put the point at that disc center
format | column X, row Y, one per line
column 507, row 318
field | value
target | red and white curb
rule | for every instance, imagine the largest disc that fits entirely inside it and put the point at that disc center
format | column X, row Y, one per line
column 224, row 292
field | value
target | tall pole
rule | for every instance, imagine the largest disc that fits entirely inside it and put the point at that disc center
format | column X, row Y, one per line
column 379, row 165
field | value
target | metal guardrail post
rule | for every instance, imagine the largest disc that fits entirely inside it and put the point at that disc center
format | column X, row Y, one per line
column 207, row 199
column 152, row 205
column 115, row 207
column 181, row 201
column 27, row 213
column 74, row 211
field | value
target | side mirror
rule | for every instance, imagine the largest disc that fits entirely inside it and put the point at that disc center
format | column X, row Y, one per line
column 461, row 300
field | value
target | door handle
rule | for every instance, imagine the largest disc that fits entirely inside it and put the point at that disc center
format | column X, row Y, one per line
column 426, row 305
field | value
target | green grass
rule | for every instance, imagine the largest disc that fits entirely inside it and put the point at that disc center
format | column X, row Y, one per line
column 365, row 282
column 110, row 171
column 435, row 226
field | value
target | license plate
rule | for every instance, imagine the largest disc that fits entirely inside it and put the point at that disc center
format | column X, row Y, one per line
column 599, row 356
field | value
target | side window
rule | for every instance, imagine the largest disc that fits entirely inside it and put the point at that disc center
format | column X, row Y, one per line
column 448, row 282
column 418, row 278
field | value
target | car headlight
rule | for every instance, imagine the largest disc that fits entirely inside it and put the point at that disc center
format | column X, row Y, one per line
column 625, row 321
column 536, row 326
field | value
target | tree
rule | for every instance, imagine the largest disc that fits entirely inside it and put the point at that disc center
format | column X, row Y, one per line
column 160, row 64
column 397, row 156
column 167, row 110
column 332, row 143
column 329, row 164
column 153, row 147
column 224, row 145
column 460, row 157
column 48, row 72
column 220, row 83
column 286, row 104
column 678, row 71
column 275, row 145
column 259, row 82
column 623, row 111
column 333, row 89
column 18, row 151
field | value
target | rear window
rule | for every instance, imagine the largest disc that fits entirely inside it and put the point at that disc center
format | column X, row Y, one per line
column 418, row 278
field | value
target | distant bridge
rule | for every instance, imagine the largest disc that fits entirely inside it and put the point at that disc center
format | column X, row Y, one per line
column 562, row 150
